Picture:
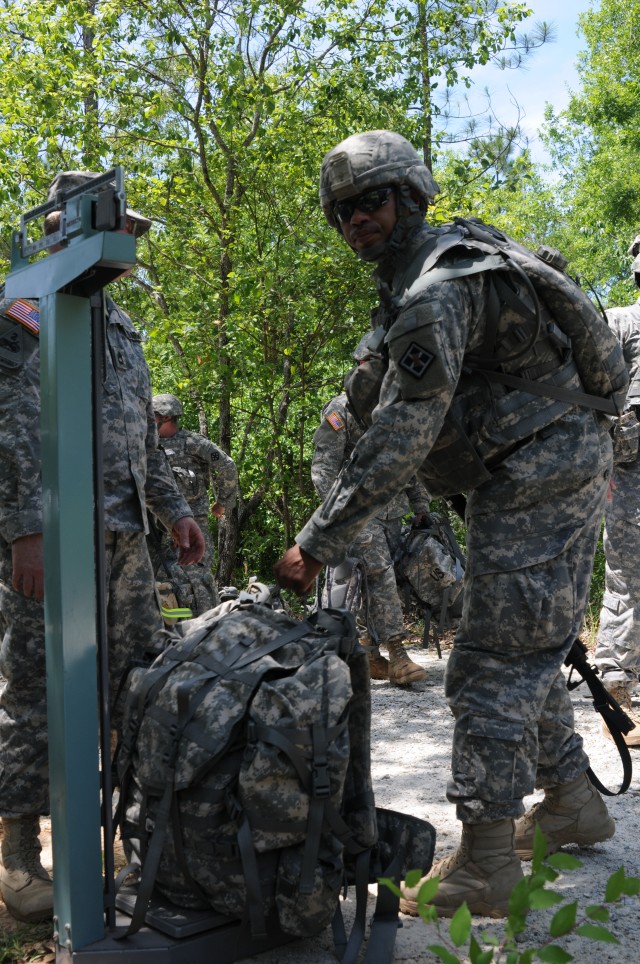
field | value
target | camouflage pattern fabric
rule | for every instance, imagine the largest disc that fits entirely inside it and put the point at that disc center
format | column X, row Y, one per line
column 135, row 475
column 199, row 467
column 617, row 653
column 258, row 728
column 133, row 615
column 535, row 471
column 377, row 543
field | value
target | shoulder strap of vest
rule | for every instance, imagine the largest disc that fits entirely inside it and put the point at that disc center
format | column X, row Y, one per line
column 500, row 291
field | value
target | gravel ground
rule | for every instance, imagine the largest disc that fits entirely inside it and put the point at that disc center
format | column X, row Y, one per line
column 410, row 763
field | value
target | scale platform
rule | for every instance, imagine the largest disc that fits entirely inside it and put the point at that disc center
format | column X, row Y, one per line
column 175, row 935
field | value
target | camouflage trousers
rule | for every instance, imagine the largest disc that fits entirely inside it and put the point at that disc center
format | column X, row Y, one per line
column 618, row 647
column 381, row 608
column 133, row 618
column 514, row 721
column 194, row 586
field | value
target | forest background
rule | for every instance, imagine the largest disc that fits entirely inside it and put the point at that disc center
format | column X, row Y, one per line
column 220, row 112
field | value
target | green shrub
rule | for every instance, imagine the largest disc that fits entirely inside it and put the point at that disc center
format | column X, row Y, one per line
column 530, row 894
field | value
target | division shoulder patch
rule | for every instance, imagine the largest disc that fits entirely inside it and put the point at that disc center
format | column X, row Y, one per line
column 335, row 421
column 416, row 360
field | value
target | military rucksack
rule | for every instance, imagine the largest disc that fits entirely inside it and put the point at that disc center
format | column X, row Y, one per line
column 468, row 247
column 245, row 779
column 429, row 565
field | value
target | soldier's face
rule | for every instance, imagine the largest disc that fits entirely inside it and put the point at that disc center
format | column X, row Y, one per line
column 368, row 229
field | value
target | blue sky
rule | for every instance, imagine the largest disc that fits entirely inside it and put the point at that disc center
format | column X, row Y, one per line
column 549, row 75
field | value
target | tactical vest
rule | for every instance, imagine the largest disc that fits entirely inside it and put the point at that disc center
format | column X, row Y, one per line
column 541, row 332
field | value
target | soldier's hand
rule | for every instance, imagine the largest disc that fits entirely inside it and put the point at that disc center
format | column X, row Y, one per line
column 28, row 566
column 297, row 570
column 188, row 540
column 217, row 510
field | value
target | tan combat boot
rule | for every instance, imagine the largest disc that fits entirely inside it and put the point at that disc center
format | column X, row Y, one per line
column 571, row 813
column 622, row 695
column 378, row 664
column 26, row 887
column 483, row 871
column 402, row 670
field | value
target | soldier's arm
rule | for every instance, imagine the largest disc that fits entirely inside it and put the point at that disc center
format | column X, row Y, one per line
column 162, row 495
column 329, row 447
column 418, row 497
column 414, row 402
column 20, row 470
column 223, row 476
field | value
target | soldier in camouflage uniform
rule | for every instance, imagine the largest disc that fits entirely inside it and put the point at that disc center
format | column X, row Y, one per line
column 535, row 470
column 375, row 546
column 198, row 466
column 136, row 476
column 617, row 653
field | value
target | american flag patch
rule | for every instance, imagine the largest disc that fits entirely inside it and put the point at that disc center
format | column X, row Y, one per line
column 335, row 421
column 26, row 313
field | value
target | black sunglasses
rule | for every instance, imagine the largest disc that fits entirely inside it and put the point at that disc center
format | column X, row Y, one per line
column 368, row 201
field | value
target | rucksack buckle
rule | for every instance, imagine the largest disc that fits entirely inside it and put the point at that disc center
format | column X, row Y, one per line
column 320, row 780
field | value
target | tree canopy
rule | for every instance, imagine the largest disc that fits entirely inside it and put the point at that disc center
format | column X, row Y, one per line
column 220, row 113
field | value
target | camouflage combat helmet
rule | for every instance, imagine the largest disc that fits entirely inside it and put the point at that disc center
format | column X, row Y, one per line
column 167, row 405
column 369, row 160
column 634, row 251
column 634, row 247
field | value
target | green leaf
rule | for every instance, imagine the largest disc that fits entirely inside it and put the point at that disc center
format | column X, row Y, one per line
column 428, row 890
column 615, row 886
column 596, row 912
column 460, row 926
column 597, row 933
column 519, row 898
column 539, row 847
column 428, row 913
column 443, row 954
column 412, row 878
column 554, row 955
column 632, row 886
column 562, row 861
column 564, row 920
column 542, row 899
column 477, row 955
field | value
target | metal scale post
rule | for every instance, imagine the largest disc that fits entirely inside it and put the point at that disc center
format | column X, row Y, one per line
column 86, row 253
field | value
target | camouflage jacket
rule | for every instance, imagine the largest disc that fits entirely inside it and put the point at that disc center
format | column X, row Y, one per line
column 506, row 449
column 199, row 465
column 136, row 473
column 625, row 323
column 334, row 441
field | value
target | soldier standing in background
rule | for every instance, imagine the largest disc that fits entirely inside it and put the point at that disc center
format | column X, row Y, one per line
column 136, row 478
column 375, row 546
column 199, row 467
column 617, row 654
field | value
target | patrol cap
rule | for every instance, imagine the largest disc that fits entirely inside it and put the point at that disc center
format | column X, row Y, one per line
column 68, row 180
column 167, row 405
column 373, row 159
